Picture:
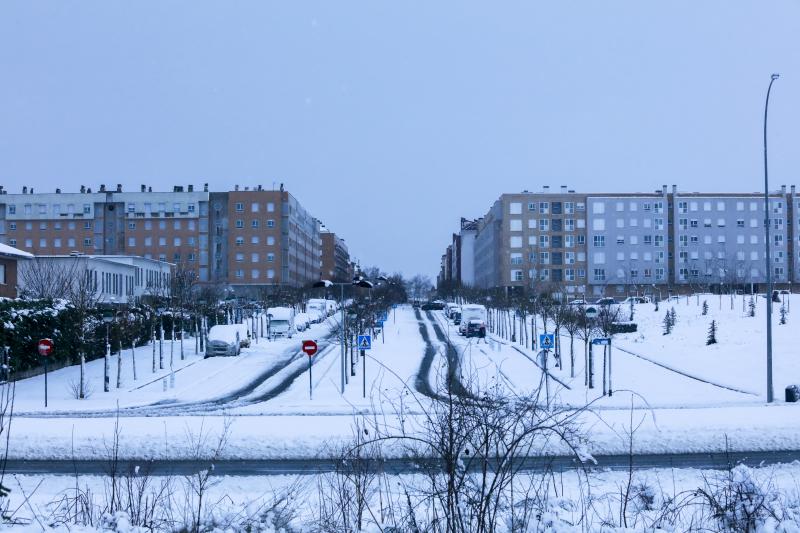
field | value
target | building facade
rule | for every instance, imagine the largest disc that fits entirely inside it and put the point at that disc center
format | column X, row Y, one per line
column 335, row 258
column 246, row 237
column 614, row 244
column 10, row 258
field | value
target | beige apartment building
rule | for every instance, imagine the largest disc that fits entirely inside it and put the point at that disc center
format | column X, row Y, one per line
column 246, row 237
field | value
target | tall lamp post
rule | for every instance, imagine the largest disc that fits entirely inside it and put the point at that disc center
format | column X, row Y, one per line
column 358, row 282
column 770, row 393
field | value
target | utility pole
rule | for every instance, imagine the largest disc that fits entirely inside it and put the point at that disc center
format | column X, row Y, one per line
column 770, row 392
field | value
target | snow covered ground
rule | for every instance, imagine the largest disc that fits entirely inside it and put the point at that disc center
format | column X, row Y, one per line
column 265, row 391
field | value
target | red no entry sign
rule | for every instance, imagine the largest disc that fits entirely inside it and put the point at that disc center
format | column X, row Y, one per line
column 309, row 347
column 45, row 347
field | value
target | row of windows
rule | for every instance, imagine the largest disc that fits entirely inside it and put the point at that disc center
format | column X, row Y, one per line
column 549, row 241
column 12, row 226
column 162, row 241
column 599, row 207
column 254, row 207
column 254, row 273
column 685, row 274
column 546, row 224
column 56, row 243
column 689, row 206
column 255, row 239
column 684, row 223
column 548, row 258
column 599, row 274
column 162, row 224
column 41, row 209
column 255, row 223
column 546, row 274
column 255, row 257
column 161, row 207
column 555, row 208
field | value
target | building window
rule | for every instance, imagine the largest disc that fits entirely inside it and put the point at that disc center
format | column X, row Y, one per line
column 239, row 257
column 254, row 239
column 254, row 257
column 190, row 208
column 544, row 241
column 12, row 226
column 162, row 241
column 239, row 273
column 659, row 240
column 87, row 225
column 176, row 224
column 254, row 223
column 239, row 207
column 544, row 224
column 516, row 275
column 177, row 241
column 131, row 241
column 270, row 223
column 599, row 241
column 254, row 207
column 12, row 209
column 148, row 241
column 270, row 273
column 239, row 223
column 270, row 258
column 87, row 209
column 270, row 209
column 599, row 274
column 532, row 207
column 515, row 208
column 239, row 241
column 544, row 207
column 516, row 259
column 87, row 242
column 683, row 207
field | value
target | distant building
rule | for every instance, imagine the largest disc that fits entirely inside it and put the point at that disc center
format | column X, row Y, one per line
column 335, row 258
column 9, row 264
column 614, row 244
column 109, row 278
column 244, row 238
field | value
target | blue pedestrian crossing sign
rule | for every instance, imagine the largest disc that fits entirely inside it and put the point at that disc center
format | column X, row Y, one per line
column 364, row 342
column 547, row 341
column 601, row 341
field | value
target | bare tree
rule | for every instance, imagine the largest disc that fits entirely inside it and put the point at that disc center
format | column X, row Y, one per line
column 48, row 279
column 83, row 296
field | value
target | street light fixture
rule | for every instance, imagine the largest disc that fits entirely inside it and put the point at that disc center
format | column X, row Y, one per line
column 770, row 394
column 358, row 281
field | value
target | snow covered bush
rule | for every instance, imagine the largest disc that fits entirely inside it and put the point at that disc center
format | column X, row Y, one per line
column 712, row 333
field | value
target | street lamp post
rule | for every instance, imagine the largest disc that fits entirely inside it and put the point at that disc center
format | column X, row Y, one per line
column 358, row 282
column 770, row 393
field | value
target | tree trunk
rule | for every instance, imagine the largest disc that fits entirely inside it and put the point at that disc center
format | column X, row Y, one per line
column 161, row 344
column 571, row 355
column 182, row 354
column 133, row 358
column 119, row 366
column 106, row 378
column 82, row 390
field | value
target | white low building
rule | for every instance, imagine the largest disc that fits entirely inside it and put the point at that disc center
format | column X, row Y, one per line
column 110, row 278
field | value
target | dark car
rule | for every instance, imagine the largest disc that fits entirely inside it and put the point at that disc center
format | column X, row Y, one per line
column 432, row 306
column 606, row 301
column 456, row 316
column 415, row 305
column 476, row 328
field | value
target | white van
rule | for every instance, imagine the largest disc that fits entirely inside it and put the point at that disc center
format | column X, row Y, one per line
column 469, row 313
column 281, row 322
column 332, row 306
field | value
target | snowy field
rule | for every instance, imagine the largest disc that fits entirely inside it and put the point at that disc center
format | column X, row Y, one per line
column 689, row 397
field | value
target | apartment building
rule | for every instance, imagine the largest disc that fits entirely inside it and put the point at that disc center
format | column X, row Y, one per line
column 614, row 244
column 336, row 264
column 244, row 238
column 531, row 240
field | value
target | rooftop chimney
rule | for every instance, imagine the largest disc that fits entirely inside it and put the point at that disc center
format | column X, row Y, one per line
column 571, row 191
column 31, row 190
column 663, row 189
column 103, row 188
column 246, row 187
column 24, row 189
column 236, row 187
column 563, row 189
column 205, row 187
column 674, row 189
column 191, row 188
column 143, row 187
column 545, row 188
column 88, row 190
column 58, row 191
column 83, row 189
column 149, row 189
column 783, row 189
column 791, row 189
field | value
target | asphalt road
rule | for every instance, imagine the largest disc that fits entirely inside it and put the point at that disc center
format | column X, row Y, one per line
column 274, row 467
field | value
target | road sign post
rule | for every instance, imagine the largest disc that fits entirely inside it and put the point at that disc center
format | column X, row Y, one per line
column 45, row 348
column 364, row 344
column 310, row 348
column 603, row 341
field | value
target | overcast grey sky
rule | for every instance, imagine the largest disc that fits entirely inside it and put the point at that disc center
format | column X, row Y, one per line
column 390, row 120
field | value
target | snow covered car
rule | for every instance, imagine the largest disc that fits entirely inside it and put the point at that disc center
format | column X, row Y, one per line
column 302, row 321
column 636, row 300
column 476, row 328
column 224, row 339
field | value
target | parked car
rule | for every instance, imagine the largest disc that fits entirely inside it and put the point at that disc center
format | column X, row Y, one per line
column 302, row 321
column 224, row 339
column 636, row 300
column 579, row 301
column 450, row 308
column 456, row 316
column 432, row 306
column 476, row 328
column 469, row 313
column 606, row 301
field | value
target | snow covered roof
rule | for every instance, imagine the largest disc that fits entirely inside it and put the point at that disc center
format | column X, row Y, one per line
column 14, row 252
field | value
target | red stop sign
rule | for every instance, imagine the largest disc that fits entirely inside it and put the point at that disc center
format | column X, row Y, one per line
column 309, row 347
column 45, row 347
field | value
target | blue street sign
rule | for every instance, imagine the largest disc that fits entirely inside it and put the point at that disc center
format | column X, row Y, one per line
column 380, row 323
column 364, row 342
column 602, row 341
column 547, row 341
column 394, row 306
column 383, row 316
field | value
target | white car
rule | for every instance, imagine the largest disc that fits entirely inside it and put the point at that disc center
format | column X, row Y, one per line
column 302, row 321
